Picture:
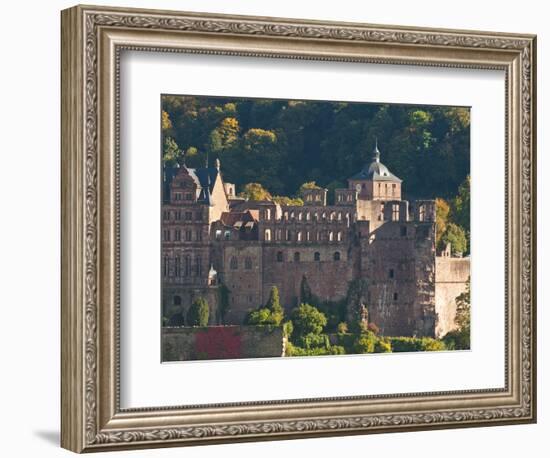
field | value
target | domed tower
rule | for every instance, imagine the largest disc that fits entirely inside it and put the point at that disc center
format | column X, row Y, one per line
column 375, row 181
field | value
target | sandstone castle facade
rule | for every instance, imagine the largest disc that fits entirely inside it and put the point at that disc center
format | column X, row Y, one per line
column 232, row 251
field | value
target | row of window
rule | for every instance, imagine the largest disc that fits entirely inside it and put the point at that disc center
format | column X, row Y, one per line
column 188, row 196
column 181, row 216
column 182, row 266
column 303, row 236
column 176, row 235
column 297, row 257
column 311, row 216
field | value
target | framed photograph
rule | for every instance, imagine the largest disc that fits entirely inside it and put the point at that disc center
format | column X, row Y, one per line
column 277, row 228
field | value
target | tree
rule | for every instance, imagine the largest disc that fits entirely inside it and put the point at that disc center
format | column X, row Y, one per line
column 171, row 153
column 308, row 320
column 442, row 210
column 225, row 135
column 461, row 205
column 284, row 200
column 274, row 306
column 198, row 313
column 255, row 191
column 456, row 236
column 462, row 318
column 307, row 186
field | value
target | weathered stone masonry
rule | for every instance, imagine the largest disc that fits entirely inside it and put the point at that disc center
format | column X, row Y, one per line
column 211, row 237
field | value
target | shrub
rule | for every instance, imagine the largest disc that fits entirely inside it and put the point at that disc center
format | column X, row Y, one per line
column 259, row 317
column 382, row 346
column 198, row 313
column 342, row 328
column 373, row 328
column 308, row 320
column 365, row 343
column 407, row 344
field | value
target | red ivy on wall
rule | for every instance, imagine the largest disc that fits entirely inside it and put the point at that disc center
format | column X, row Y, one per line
column 218, row 342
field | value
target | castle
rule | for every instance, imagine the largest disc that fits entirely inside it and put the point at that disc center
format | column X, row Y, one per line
column 213, row 240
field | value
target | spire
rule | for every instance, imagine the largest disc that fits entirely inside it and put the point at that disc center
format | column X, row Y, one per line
column 217, row 164
column 376, row 152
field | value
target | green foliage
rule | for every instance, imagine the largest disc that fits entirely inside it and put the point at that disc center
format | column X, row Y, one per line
column 409, row 344
column 459, row 339
column 442, row 209
column 307, row 186
column 282, row 143
column 382, row 345
column 171, row 151
column 365, row 343
column 255, row 191
column 342, row 327
column 274, row 306
column 284, row 200
column 292, row 350
column 198, row 313
column 356, row 305
column 308, row 320
column 456, row 236
column 461, row 205
column 288, row 329
column 261, row 316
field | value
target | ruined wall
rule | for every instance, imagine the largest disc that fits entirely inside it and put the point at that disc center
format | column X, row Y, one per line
column 451, row 276
column 176, row 300
column 221, row 342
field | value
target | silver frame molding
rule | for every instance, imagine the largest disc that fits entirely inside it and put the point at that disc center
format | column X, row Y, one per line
column 92, row 40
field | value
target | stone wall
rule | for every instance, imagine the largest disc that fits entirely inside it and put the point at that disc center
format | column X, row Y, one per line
column 221, row 342
column 451, row 276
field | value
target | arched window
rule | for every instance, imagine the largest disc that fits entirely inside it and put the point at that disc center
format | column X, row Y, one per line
column 233, row 263
column 268, row 213
column 299, row 236
column 319, row 235
column 247, row 263
column 296, row 257
column 292, row 215
column 177, row 267
column 308, row 236
column 288, row 235
column 422, row 213
column 317, row 256
column 336, row 256
column 300, row 216
column 339, row 236
column 315, row 216
column 308, row 216
column 267, row 235
column 177, row 300
column 395, row 296
column 331, row 236
column 279, row 256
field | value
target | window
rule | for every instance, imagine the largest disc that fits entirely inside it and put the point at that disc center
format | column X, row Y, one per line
column 268, row 214
column 178, row 215
column 422, row 213
column 198, row 235
column 288, row 235
column 391, row 273
column 403, row 231
column 296, row 257
column 291, row 215
column 319, row 236
column 177, row 300
column 324, row 215
column 189, row 196
column 247, row 263
column 227, row 235
column 339, row 198
column 165, row 215
column 279, row 256
column 198, row 216
column 218, row 234
column 187, row 266
column 165, row 266
column 339, row 236
column 299, row 236
column 233, row 263
column 317, row 256
column 166, row 235
column 267, row 235
column 300, row 216
column 395, row 212
column 188, row 216
column 177, row 196
column 331, row 236
column 198, row 266
column 177, row 267
column 279, row 234
column 177, row 235
column 395, row 296
column 318, row 197
column 309, row 197
column 336, row 256
column 308, row 236
column 308, row 216
column 188, row 235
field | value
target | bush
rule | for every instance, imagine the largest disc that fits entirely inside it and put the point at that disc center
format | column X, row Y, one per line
column 259, row 317
column 292, row 350
column 342, row 328
column 382, row 346
column 407, row 344
column 373, row 328
column 457, row 340
column 365, row 343
column 198, row 313
column 308, row 320
column 313, row 341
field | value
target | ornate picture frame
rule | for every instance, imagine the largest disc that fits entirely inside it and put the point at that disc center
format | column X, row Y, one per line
column 92, row 41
